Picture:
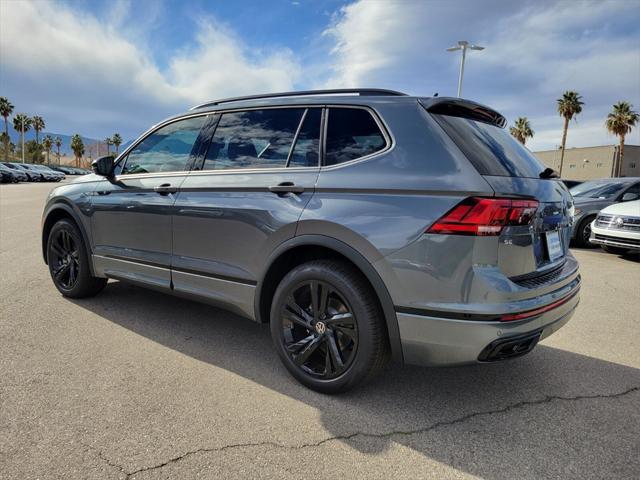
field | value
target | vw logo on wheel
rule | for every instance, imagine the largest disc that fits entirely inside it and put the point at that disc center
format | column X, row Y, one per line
column 321, row 328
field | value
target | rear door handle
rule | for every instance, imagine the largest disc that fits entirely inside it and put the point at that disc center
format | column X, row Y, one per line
column 165, row 189
column 286, row 187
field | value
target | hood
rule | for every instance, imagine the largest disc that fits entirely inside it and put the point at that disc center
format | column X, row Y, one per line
column 631, row 209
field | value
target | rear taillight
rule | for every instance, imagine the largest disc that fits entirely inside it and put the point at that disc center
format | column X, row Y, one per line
column 485, row 216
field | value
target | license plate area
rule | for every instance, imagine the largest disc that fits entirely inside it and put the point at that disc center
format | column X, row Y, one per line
column 554, row 245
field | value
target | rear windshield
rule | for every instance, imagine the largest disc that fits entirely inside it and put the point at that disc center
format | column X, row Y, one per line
column 492, row 150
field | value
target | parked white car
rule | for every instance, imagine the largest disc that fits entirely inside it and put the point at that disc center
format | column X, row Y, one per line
column 617, row 228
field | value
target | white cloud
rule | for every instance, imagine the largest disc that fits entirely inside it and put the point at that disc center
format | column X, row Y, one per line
column 533, row 53
column 95, row 74
column 89, row 69
column 220, row 63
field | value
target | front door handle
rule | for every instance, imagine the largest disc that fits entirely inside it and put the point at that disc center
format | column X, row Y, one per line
column 286, row 187
column 165, row 189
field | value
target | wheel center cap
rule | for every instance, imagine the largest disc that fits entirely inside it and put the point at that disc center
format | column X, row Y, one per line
column 321, row 327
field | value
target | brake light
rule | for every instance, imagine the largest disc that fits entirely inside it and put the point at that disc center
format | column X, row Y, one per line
column 485, row 216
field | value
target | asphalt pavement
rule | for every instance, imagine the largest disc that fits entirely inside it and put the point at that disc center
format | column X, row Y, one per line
column 137, row 384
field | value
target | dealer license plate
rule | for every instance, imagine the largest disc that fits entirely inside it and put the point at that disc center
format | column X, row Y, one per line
column 554, row 245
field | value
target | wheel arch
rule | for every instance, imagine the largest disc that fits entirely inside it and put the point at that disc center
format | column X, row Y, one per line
column 56, row 212
column 310, row 247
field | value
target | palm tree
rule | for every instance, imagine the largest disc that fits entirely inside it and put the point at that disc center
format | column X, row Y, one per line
column 569, row 106
column 522, row 130
column 47, row 143
column 22, row 124
column 117, row 141
column 108, row 142
column 620, row 122
column 77, row 145
column 58, row 143
column 38, row 126
column 6, row 109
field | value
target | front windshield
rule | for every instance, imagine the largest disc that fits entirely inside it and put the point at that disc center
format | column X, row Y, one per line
column 597, row 189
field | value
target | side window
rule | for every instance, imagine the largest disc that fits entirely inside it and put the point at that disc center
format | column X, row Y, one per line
column 634, row 189
column 165, row 150
column 306, row 151
column 351, row 133
column 253, row 139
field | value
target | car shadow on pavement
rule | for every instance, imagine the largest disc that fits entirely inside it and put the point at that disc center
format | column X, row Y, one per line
column 552, row 413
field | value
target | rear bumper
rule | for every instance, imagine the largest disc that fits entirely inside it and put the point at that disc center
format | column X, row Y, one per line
column 436, row 341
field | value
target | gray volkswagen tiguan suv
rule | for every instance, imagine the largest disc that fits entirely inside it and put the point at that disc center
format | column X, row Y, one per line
column 363, row 225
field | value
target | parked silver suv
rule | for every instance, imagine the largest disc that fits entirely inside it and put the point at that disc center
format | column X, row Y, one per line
column 361, row 224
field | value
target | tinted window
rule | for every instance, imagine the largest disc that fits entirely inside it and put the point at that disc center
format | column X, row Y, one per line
column 306, row 151
column 492, row 150
column 253, row 139
column 165, row 150
column 351, row 133
column 598, row 189
column 634, row 189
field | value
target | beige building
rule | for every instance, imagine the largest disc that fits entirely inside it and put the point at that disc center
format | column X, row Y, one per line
column 589, row 163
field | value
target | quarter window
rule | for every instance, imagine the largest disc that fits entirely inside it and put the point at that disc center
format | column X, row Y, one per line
column 166, row 150
column 253, row 139
column 351, row 133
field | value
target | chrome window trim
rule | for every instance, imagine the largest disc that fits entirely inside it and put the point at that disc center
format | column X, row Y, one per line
column 388, row 136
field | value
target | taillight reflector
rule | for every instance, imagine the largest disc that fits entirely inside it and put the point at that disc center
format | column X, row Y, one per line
column 485, row 216
column 537, row 311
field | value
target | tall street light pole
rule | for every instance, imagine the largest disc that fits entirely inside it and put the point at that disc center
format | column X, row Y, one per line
column 23, row 139
column 463, row 45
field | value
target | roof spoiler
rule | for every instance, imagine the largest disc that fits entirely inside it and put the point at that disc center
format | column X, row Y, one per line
column 457, row 107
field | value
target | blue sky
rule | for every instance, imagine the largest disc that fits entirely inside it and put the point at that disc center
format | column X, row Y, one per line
column 95, row 67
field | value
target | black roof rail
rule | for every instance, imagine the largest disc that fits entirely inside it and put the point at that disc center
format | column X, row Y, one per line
column 363, row 92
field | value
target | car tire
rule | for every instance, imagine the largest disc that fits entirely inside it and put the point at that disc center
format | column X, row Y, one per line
column 583, row 232
column 68, row 261
column 615, row 250
column 337, row 345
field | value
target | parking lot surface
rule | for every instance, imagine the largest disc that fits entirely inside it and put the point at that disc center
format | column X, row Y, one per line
column 136, row 384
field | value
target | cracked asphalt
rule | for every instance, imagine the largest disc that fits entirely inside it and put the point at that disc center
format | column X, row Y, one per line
column 133, row 384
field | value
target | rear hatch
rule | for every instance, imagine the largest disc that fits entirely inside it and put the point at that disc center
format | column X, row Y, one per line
column 529, row 252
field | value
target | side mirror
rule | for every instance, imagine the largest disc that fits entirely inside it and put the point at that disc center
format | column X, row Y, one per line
column 627, row 197
column 103, row 166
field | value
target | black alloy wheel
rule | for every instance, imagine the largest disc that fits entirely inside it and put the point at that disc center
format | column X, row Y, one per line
column 327, row 326
column 68, row 261
column 319, row 330
column 65, row 257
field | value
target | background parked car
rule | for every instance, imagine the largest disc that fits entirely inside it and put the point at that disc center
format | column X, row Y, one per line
column 27, row 175
column 63, row 169
column 46, row 174
column 57, row 176
column 34, row 175
column 11, row 175
column 6, row 176
column 591, row 197
column 617, row 228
